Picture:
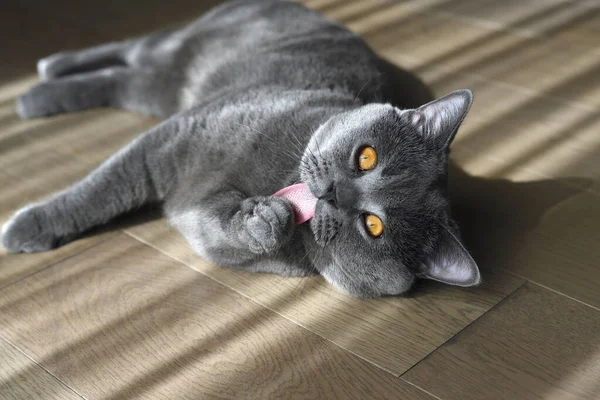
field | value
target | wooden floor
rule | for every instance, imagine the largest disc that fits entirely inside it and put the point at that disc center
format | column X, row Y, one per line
column 131, row 312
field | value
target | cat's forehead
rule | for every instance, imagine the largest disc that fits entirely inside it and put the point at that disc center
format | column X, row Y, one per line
column 367, row 115
column 383, row 124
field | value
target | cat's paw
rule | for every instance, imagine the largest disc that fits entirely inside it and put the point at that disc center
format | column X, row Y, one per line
column 53, row 66
column 39, row 101
column 29, row 231
column 267, row 223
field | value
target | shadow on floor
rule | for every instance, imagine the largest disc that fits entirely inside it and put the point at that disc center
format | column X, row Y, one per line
column 496, row 215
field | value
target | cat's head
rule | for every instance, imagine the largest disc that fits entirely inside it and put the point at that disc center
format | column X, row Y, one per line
column 383, row 215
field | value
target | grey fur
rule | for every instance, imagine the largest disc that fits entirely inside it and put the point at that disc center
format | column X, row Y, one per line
column 260, row 95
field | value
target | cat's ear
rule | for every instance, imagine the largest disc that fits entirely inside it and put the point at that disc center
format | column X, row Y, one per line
column 440, row 119
column 451, row 263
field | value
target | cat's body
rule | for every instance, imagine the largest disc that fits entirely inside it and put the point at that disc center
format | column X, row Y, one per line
column 265, row 94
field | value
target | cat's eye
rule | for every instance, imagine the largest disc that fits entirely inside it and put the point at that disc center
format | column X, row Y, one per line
column 367, row 158
column 374, row 225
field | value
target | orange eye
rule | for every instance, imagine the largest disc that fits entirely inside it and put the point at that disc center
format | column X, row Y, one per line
column 367, row 158
column 374, row 225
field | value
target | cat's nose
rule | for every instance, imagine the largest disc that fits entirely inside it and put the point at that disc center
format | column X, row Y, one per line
column 340, row 194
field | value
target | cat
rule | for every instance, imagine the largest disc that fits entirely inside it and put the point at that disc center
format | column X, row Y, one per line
column 259, row 95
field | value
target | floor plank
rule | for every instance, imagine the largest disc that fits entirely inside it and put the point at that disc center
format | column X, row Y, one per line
column 393, row 333
column 21, row 378
column 536, row 344
column 121, row 320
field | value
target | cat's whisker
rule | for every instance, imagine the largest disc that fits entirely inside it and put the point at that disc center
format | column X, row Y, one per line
column 367, row 83
column 318, row 147
column 299, row 146
column 313, row 269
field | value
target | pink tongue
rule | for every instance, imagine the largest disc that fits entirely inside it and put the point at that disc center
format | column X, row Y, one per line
column 302, row 200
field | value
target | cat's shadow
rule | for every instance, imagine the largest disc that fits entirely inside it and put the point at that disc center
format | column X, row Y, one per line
column 134, row 218
column 497, row 215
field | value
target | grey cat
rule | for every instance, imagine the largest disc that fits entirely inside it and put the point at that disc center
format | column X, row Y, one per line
column 260, row 95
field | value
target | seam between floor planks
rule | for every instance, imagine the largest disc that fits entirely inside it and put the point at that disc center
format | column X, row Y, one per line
column 259, row 303
column 504, row 299
column 42, row 367
column 495, row 306
column 562, row 294
column 488, row 311
column 420, row 388
column 533, row 282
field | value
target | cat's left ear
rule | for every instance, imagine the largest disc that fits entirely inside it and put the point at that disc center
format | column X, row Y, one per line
column 440, row 119
column 451, row 263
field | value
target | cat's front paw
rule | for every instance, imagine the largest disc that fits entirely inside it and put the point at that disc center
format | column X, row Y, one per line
column 266, row 223
column 29, row 231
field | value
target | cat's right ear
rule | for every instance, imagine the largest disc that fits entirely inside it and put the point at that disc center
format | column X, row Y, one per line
column 451, row 263
column 440, row 119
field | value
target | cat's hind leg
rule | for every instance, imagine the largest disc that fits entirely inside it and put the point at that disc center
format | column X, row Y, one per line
column 126, row 75
column 74, row 93
column 87, row 60
column 148, row 92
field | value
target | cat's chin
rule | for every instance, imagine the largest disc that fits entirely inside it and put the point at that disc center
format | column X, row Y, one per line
column 343, row 282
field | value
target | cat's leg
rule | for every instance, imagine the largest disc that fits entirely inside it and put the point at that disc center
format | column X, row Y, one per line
column 87, row 60
column 255, row 233
column 133, row 74
column 134, row 176
column 121, row 87
column 229, row 228
column 73, row 93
